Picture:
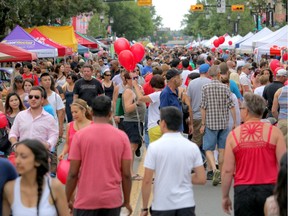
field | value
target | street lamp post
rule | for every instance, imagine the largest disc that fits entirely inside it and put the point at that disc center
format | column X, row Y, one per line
column 235, row 23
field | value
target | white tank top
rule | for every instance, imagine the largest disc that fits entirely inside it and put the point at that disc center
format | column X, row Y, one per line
column 45, row 208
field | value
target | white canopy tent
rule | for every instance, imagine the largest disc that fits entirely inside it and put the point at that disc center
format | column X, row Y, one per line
column 209, row 43
column 226, row 45
column 247, row 45
column 250, row 34
column 265, row 49
column 273, row 37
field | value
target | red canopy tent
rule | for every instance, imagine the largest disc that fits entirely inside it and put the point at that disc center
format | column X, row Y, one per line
column 81, row 39
column 17, row 53
column 62, row 50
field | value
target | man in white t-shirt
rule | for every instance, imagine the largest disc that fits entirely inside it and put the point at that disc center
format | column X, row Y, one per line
column 171, row 160
column 245, row 82
column 185, row 71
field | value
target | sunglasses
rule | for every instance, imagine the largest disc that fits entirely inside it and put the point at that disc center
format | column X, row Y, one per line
column 37, row 97
column 107, row 74
column 135, row 78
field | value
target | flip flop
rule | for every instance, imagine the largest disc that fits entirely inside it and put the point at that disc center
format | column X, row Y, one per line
column 137, row 177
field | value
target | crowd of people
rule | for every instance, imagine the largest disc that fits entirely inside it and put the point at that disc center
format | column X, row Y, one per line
column 200, row 116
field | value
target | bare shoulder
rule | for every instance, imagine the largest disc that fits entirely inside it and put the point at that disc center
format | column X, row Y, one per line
column 56, row 184
column 9, row 189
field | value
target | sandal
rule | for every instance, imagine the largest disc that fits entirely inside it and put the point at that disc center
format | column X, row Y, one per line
column 137, row 177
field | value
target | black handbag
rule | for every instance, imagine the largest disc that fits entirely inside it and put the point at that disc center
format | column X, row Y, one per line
column 4, row 141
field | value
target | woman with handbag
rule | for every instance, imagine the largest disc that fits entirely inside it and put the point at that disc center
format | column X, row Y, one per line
column 34, row 192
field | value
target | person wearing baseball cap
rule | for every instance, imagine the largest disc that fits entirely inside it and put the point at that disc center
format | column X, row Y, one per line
column 169, row 96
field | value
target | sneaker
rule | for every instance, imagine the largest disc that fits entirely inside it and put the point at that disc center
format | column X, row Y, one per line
column 210, row 175
column 216, row 177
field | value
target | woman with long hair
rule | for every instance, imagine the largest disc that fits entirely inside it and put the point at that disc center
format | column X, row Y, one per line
column 68, row 92
column 82, row 117
column 13, row 105
column 18, row 86
column 27, row 85
column 61, row 76
column 134, row 112
column 34, row 192
column 107, row 84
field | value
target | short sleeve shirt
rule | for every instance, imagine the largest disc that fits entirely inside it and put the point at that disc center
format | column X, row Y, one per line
column 99, row 181
column 88, row 89
column 165, row 156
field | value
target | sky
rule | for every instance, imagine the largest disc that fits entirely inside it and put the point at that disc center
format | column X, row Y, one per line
column 172, row 11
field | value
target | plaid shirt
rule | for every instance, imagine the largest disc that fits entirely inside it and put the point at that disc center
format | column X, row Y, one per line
column 217, row 101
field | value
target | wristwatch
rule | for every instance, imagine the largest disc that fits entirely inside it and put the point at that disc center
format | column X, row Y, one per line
column 144, row 209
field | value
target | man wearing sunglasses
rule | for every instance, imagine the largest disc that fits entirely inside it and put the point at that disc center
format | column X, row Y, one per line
column 35, row 122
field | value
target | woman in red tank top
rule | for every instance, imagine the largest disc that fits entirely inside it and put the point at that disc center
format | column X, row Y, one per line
column 252, row 155
column 81, row 118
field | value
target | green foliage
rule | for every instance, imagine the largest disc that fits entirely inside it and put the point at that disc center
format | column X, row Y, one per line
column 131, row 21
column 218, row 23
column 28, row 13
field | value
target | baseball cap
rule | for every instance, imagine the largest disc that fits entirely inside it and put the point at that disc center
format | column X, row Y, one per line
column 204, row 68
column 172, row 73
column 282, row 72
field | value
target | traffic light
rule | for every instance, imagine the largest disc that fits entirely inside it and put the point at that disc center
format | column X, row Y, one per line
column 198, row 7
column 237, row 8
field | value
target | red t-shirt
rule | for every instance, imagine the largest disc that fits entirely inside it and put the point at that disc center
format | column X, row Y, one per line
column 147, row 88
column 99, row 183
column 255, row 159
column 31, row 76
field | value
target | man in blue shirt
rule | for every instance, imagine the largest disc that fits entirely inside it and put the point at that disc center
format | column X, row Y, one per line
column 169, row 95
column 7, row 173
column 148, row 68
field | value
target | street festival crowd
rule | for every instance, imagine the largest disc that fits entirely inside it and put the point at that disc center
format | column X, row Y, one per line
column 203, row 118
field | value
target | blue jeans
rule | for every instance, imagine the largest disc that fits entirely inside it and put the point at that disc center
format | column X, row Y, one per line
column 213, row 137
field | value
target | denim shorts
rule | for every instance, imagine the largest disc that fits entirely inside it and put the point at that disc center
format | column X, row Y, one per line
column 213, row 137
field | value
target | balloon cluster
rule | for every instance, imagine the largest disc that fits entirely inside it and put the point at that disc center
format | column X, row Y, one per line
column 129, row 56
column 218, row 42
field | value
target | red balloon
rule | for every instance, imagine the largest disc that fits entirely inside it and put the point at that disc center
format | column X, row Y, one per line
column 230, row 43
column 216, row 43
column 138, row 51
column 121, row 44
column 274, row 64
column 3, row 120
column 213, row 49
column 227, row 52
column 62, row 170
column 285, row 57
column 221, row 51
column 221, row 39
column 126, row 59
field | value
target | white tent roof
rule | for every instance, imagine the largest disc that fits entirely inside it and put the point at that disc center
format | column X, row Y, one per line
column 250, row 34
column 236, row 38
column 246, row 46
column 225, row 45
column 209, row 43
column 280, row 34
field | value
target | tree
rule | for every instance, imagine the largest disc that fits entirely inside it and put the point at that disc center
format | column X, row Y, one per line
column 130, row 20
column 29, row 13
column 217, row 24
